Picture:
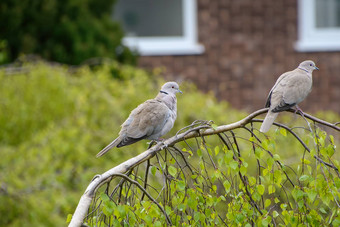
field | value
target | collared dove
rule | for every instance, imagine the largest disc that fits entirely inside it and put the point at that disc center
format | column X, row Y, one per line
column 290, row 89
column 150, row 120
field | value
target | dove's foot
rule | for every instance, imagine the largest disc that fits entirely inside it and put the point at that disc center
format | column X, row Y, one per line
column 298, row 109
column 156, row 141
column 165, row 145
column 162, row 141
column 95, row 177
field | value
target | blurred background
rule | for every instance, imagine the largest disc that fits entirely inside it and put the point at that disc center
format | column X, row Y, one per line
column 236, row 49
column 71, row 72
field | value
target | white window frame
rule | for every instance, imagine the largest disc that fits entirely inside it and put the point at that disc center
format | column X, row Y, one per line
column 311, row 38
column 181, row 45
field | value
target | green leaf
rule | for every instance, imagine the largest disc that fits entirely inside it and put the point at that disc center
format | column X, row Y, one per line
column 199, row 152
column 283, row 206
column 181, row 185
column 271, row 189
column 252, row 181
column 173, row 171
column 323, row 210
column 104, row 197
column 304, row 178
column 267, row 203
column 336, row 222
column 283, row 131
column 182, row 207
column 276, row 157
column 172, row 161
column 278, row 176
column 240, row 218
column 265, row 222
column 233, row 164
column 275, row 214
column 305, row 161
column 311, row 194
column 256, row 196
column 168, row 210
column 121, row 210
column 227, row 186
column 260, row 189
column 197, row 216
column 264, row 144
column 214, row 187
column 270, row 162
column 157, row 224
column 153, row 170
column 148, row 219
column 69, row 218
column 109, row 208
column 259, row 153
column 337, row 182
column 243, row 170
column 192, row 203
column 228, row 157
column 201, row 165
column 217, row 150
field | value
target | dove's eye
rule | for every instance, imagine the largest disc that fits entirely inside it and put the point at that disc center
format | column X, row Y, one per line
column 172, row 87
column 311, row 65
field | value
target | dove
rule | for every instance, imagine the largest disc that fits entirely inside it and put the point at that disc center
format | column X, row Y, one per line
column 150, row 120
column 290, row 89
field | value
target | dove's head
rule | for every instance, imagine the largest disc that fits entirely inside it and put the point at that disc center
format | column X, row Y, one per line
column 170, row 88
column 308, row 66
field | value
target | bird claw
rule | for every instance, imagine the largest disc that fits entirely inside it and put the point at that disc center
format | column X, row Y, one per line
column 160, row 140
column 165, row 145
column 298, row 109
column 96, row 176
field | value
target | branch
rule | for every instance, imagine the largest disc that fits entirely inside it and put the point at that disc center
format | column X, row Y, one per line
column 315, row 119
column 198, row 131
column 145, row 193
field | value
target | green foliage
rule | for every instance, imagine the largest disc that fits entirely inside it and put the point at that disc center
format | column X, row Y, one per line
column 55, row 119
column 64, row 31
column 248, row 180
column 3, row 51
column 222, row 190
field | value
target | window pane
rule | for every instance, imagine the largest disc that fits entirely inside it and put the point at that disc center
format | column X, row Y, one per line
column 327, row 13
column 150, row 18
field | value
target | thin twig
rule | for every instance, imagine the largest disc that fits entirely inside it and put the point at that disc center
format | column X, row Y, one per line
column 315, row 119
column 147, row 194
column 146, row 177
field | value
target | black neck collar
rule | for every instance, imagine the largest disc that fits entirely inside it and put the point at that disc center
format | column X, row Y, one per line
column 164, row 92
column 303, row 69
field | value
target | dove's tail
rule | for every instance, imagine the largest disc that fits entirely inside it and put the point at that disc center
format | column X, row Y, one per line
column 268, row 121
column 108, row 147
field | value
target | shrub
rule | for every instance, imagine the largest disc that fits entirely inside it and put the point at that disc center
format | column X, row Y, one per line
column 64, row 31
column 55, row 119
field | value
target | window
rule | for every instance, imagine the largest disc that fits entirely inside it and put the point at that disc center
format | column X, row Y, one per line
column 159, row 27
column 318, row 25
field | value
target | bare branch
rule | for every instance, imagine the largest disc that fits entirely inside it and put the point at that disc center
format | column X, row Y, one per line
column 198, row 129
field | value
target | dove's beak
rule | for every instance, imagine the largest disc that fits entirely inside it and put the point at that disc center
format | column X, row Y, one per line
column 180, row 91
column 316, row 68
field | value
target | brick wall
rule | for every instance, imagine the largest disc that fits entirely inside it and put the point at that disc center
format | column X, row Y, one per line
column 248, row 45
